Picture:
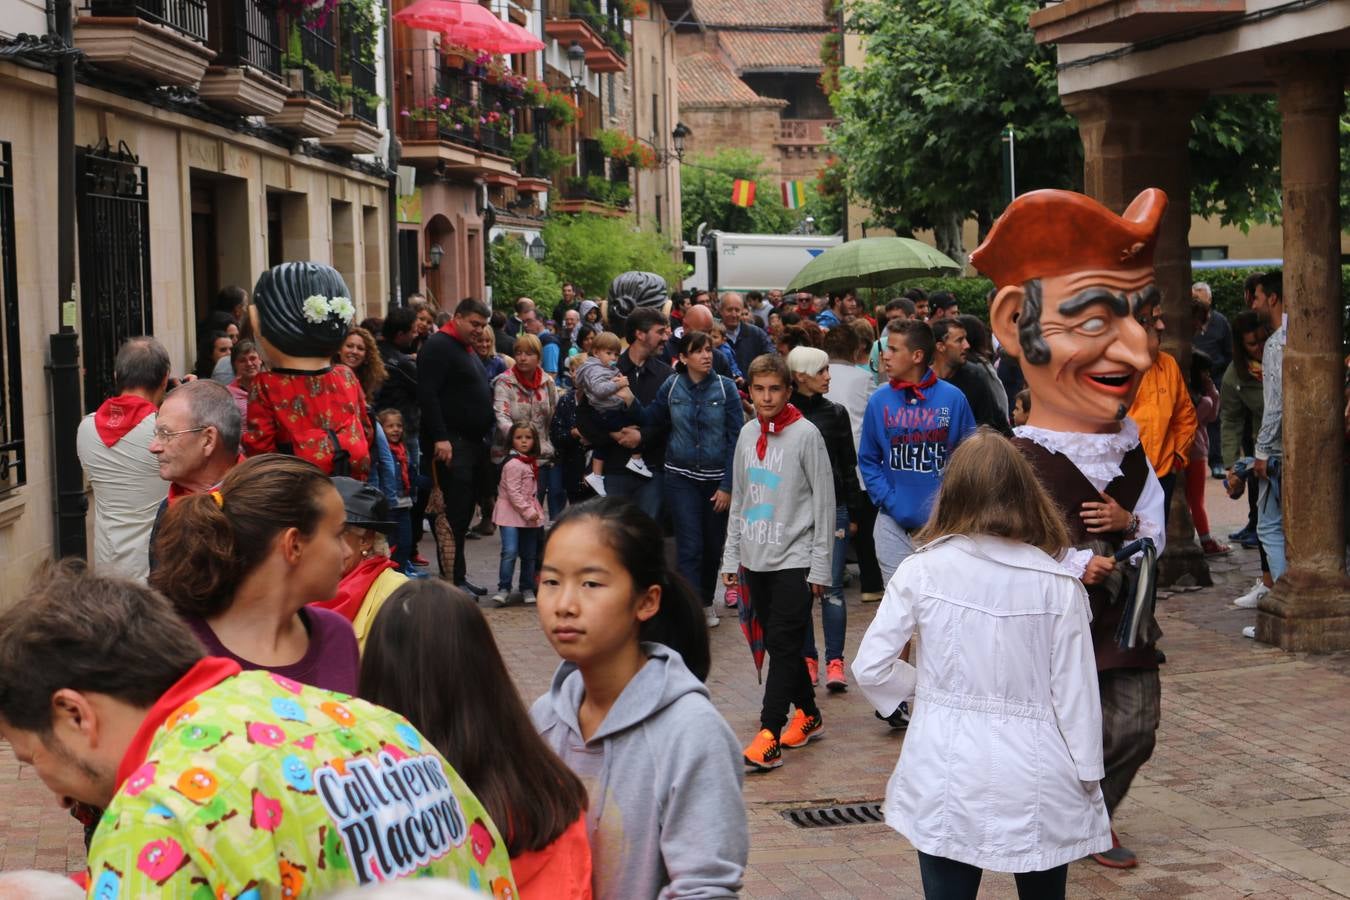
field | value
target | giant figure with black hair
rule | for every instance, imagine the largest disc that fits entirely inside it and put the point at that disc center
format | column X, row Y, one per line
column 303, row 404
column 630, row 291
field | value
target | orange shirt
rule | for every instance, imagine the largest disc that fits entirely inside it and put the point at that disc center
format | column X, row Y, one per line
column 560, row 871
column 1165, row 415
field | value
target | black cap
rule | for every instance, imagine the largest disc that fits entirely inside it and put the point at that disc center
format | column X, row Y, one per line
column 942, row 300
column 366, row 506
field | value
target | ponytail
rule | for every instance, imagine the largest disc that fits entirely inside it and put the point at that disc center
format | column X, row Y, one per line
column 207, row 543
column 636, row 539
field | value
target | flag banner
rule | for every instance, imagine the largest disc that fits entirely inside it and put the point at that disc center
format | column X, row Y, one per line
column 794, row 194
column 742, row 192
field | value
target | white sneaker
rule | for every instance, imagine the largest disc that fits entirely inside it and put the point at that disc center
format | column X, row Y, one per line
column 528, row 597
column 1252, row 598
column 596, row 483
column 710, row 616
column 1249, row 632
column 500, row 598
column 638, row 465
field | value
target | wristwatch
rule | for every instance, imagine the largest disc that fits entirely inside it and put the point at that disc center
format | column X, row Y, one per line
column 1133, row 528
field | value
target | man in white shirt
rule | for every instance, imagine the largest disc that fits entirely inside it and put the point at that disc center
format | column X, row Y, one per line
column 114, row 447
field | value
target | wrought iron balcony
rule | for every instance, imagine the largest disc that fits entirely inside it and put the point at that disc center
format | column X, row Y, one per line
column 435, row 102
column 247, row 33
column 187, row 17
column 318, row 54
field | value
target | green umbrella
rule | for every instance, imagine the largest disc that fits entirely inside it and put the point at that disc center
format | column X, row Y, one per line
column 872, row 263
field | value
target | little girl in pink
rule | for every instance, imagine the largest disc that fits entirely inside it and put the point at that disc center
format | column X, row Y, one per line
column 519, row 514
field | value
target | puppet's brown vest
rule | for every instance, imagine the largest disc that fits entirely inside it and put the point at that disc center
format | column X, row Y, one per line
column 1070, row 489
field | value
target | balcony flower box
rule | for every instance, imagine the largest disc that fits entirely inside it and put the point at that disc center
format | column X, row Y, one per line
column 307, row 117
column 154, row 52
column 565, row 31
column 242, row 89
column 528, row 184
column 355, row 136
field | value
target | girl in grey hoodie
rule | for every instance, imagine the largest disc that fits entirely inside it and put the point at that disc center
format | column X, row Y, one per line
column 628, row 711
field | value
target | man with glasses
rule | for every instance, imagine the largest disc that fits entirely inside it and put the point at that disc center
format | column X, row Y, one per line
column 196, row 440
column 114, row 447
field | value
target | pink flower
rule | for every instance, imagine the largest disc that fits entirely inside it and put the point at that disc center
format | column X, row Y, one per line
column 405, row 113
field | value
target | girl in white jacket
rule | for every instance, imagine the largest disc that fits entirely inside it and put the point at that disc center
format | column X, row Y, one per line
column 1001, row 764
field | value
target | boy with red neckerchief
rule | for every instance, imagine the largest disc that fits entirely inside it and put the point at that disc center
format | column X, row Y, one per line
column 780, row 538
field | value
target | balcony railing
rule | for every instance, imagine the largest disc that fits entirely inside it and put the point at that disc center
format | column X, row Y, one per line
column 247, row 33
column 187, row 17
column 318, row 46
column 437, row 102
column 608, row 26
column 804, row 132
column 361, row 72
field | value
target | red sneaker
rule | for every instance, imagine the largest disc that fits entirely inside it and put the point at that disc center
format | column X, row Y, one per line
column 1117, row 857
column 813, row 669
column 418, row 559
column 835, row 680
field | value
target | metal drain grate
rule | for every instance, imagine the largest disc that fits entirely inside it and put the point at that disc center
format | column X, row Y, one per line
column 834, row 816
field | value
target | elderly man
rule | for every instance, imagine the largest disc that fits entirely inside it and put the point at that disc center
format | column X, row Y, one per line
column 552, row 355
column 698, row 318
column 196, row 440
column 114, row 447
column 516, row 322
column 1214, row 336
column 747, row 340
column 1073, row 279
column 216, row 782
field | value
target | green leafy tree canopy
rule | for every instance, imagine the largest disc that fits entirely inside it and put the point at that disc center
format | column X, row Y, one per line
column 590, row 250
column 705, row 195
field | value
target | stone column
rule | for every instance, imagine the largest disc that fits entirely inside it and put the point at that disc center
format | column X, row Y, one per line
column 1310, row 606
column 1134, row 140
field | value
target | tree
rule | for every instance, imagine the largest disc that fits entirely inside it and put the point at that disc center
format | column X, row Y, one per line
column 590, row 250
column 1235, row 160
column 705, row 196
column 921, row 123
column 514, row 275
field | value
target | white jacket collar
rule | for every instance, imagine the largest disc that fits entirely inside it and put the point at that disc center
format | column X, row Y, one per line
column 1004, row 552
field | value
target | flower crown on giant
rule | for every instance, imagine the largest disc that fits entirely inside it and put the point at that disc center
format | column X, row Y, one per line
column 317, row 308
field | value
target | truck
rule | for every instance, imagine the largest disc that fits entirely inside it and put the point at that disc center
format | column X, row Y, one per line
column 725, row 261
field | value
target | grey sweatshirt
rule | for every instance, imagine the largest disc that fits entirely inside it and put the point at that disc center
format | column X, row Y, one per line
column 1270, row 436
column 596, row 381
column 663, row 771
column 782, row 507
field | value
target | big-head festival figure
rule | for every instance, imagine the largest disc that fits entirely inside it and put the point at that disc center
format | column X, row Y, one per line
column 1075, row 294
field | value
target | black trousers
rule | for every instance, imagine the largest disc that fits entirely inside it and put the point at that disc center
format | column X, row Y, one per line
column 869, row 570
column 1131, row 712
column 457, row 486
column 782, row 600
column 947, row 879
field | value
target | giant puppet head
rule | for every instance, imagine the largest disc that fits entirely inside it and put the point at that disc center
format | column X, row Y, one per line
column 1073, row 281
column 302, row 312
column 631, row 291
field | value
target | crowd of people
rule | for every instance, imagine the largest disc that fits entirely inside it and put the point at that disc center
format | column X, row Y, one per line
column 261, row 686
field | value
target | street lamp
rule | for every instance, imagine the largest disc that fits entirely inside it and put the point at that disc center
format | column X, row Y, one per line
column 678, row 135
column 435, row 253
column 537, row 249
column 576, row 65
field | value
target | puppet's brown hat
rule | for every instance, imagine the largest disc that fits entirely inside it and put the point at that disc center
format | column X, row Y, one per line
column 1047, row 233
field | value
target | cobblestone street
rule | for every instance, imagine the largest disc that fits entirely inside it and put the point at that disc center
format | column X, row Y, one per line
column 1248, row 794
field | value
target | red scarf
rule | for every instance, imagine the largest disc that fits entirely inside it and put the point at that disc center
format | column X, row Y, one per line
column 400, row 453
column 118, row 415
column 352, row 589
column 786, row 416
column 208, row 672
column 531, row 461
column 530, row 385
column 916, row 387
column 450, row 329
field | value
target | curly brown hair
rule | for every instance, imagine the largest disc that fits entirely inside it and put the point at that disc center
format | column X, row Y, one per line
column 371, row 372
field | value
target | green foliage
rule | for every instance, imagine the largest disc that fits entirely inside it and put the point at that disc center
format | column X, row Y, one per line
column 590, row 250
column 601, row 189
column 921, row 122
column 551, row 160
column 513, row 274
column 1235, row 160
column 521, row 147
column 705, row 196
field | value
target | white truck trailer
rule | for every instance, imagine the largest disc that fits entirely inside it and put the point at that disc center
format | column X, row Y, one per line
column 725, row 261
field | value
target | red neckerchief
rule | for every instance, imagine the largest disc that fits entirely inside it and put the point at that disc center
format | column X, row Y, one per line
column 118, row 415
column 531, row 461
column 450, row 329
column 177, row 491
column 786, row 416
column 352, row 589
column 206, row 674
column 916, row 387
column 400, row 453
column 530, row 385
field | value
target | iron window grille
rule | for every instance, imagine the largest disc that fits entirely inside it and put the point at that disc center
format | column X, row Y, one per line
column 188, row 17
column 13, row 471
column 112, row 197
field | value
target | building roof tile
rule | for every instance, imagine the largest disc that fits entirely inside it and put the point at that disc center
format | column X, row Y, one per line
column 750, row 50
column 764, row 13
column 706, row 80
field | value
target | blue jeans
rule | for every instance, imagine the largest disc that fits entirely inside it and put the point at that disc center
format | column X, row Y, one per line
column 402, row 539
column 1270, row 520
column 522, row 542
column 833, row 613
column 700, row 533
column 645, row 492
column 551, row 488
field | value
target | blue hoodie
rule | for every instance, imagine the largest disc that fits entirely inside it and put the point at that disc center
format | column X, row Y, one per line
column 905, row 445
column 664, row 773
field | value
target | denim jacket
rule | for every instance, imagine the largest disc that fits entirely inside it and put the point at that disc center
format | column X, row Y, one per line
column 704, row 420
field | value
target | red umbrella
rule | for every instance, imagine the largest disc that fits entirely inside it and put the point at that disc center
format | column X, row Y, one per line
column 433, row 15
column 479, row 29
column 524, row 41
column 751, row 626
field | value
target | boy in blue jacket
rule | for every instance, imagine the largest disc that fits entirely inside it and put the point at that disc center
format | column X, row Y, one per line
column 911, row 427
